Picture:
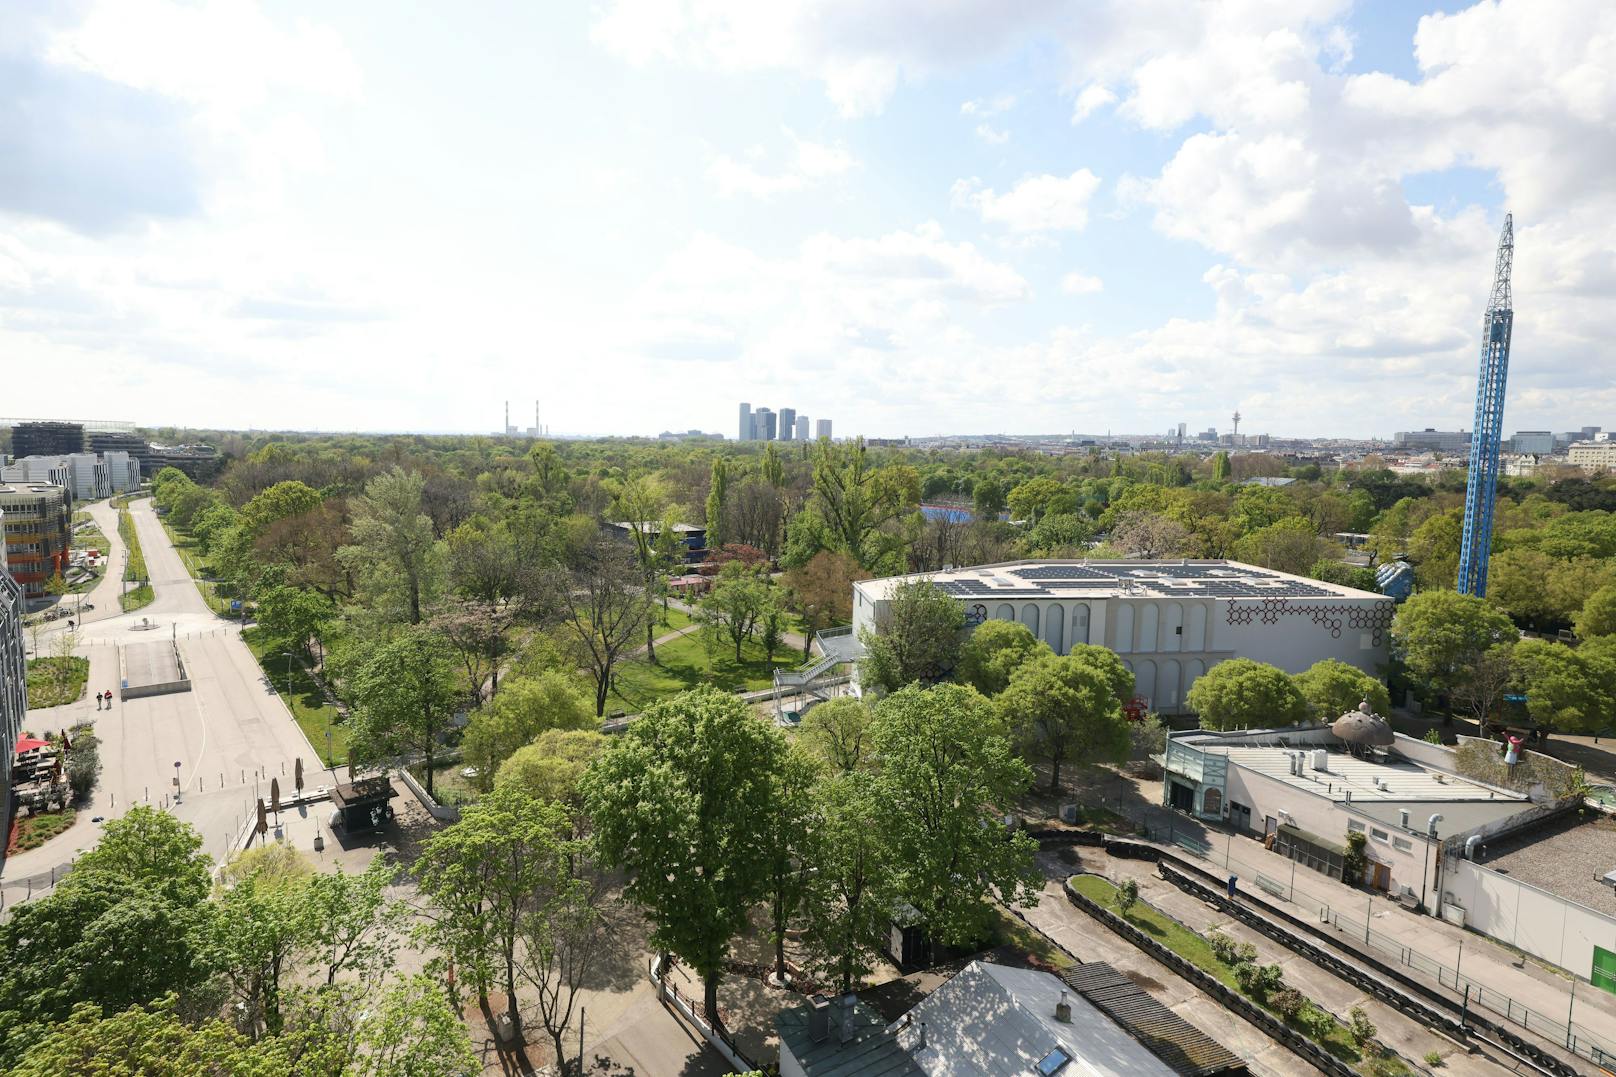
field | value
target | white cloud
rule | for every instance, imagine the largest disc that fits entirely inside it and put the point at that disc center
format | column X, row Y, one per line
column 994, row 106
column 992, row 135
column 1092, row 99
column 810, row 162
column 1035, row 204
column 859, row 51
column 1081, row 284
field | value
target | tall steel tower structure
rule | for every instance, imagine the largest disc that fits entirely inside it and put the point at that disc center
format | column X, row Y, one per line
column 1482, row 485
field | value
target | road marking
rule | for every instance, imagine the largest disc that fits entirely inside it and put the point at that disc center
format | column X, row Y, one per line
column 196, row 769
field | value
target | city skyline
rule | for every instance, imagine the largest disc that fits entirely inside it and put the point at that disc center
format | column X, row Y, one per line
column 1009, row 222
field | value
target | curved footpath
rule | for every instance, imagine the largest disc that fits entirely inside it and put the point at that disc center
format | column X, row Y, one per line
column 230, row 734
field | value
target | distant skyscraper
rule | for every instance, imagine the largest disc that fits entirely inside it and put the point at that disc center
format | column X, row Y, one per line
column 746, row 423
column 802, row 428
column 763, row 420
column 822, row 428
column 788, row 423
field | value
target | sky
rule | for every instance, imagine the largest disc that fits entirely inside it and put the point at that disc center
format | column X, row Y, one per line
column 915, row 217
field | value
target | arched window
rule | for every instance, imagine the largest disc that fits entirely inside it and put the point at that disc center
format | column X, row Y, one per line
column 1029, row 617
column 1005, row 612
column 1055, row 628
column 1212, row 802
column 1123, row 630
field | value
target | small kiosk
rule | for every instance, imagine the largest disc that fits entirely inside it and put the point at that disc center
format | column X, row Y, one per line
column 363, row 804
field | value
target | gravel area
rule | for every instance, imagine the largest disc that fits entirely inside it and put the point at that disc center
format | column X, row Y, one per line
column 1566, row 857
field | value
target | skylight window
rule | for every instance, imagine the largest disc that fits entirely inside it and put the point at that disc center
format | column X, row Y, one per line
column 1051, row 1063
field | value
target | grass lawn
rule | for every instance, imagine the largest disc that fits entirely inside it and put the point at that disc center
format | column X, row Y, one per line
column 36, row 830
column 1192, row 947
column 54, row 681
column 449, row 787
column 685, row 664
column 307, row 702
column 185, row 546
column 135, row 566
column 1015, row 931
column 672, row 621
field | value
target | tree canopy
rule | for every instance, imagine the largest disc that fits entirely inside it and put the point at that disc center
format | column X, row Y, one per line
column 1239, row 693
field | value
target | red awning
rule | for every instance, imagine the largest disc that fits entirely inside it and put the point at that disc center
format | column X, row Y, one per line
column 28, row 744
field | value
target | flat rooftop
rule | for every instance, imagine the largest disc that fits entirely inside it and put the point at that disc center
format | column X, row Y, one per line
column 1566, row 855
column 1078, row 580
column 1380, row 779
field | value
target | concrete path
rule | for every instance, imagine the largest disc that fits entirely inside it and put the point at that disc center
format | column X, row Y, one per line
column 230, row 734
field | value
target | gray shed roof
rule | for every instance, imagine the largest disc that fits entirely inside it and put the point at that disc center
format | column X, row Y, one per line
column 870, row 1052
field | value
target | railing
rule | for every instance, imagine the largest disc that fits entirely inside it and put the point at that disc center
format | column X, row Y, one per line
column 668, row 991
column 1570, row 1035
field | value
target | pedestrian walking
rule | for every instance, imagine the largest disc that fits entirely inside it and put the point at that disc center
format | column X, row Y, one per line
column 109, row 700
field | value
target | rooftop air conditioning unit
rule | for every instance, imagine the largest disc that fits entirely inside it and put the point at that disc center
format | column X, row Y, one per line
column 1321, row 760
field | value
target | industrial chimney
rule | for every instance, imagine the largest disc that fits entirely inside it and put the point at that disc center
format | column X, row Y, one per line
column 1063, row 1010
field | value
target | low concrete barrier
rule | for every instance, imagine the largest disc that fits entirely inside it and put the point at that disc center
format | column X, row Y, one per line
column 441, row 812
column 686, row 1009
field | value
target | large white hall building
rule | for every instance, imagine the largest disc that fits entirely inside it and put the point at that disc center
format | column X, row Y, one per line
column 1169, row 620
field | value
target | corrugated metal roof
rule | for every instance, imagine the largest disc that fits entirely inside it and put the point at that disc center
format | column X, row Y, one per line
column 1185, row 1048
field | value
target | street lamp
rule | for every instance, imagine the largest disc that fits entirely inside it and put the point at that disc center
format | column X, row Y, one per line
column 288, row 656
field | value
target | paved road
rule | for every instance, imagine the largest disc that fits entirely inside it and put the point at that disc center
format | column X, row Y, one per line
column 230, row 734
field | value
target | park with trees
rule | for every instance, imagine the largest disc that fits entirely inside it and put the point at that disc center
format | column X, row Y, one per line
column 475, row 608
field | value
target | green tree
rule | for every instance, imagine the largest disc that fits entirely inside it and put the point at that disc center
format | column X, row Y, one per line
column 1032, row 499
column 505, row 858
column 857, row 502
column 1239, row 693
column 1066, row 706
column 1598, row 614
column 854, row 884
column 838, row 732
column 993, row 652
column 821, row 592
column 1220, row 466
column 1289, row 545
column 412, row 1031
column 394, row 547
column 405, row 695
column 278, row 502
column 294, row 615
column 149, row 1041
column 772, row 467
column 717, row 493
column 1332, row 688
column 1434, row 549
column 946, row 779
column 682, row 802
column 605, row 608
column 1059, row 535
column 916, row 637
column 1442, row 634
column 740, row 598
column 154, row 849
column 98, row 938
column 553, row 766
column 791, row 843
column 642, row 503
column 261, row 931
column 1565, row 691
column 529, row 706
column 987, row 500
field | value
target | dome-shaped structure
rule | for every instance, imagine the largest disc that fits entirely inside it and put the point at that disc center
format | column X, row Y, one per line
column 1363, row 728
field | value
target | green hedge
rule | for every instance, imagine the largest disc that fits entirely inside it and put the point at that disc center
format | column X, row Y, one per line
column 135, row 565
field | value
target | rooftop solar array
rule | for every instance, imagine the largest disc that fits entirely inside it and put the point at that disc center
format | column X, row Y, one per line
column 1216, row 579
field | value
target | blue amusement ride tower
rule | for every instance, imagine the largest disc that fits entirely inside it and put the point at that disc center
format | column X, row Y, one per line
column 1482, row 485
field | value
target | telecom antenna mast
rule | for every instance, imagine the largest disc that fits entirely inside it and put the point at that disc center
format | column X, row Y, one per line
column 1482, row 484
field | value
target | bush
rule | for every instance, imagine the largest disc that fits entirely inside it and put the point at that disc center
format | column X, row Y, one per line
column 1245, row 954
column 1433, row 737
column 1287, row 1003
column 1259, row 981
column 1356, row 861
column 1316, row 1023
column 1433, row 1058
column 1360, row 1028
column 1223, row 947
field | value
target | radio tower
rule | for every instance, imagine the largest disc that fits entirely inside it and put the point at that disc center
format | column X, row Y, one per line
column 1482, row 484
column 1235, row 437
